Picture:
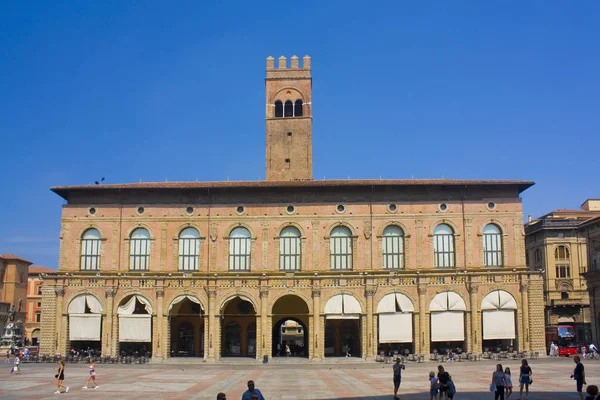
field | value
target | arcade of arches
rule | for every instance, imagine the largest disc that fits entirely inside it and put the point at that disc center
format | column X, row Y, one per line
column 284, row 324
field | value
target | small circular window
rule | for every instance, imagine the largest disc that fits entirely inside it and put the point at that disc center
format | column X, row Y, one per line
column 289, row 133
column 240, row 210
column 92, row 211
column 189, row 210
column 140, row 210
column 392, row 208
column 443, row 207
column 290, row 209
column 491, row 205
column 340, row 208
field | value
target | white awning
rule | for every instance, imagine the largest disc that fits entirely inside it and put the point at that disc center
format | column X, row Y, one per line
column 395, row 302
column 84, row 326
column 499, row 324
column 447, row 301
column 498, row 300
column 135, row 328
column 342, row 306
column 395, row 328
column 448, row 326
column 562, row 320
column 129, row 307
column 181, row 298
column 77, row 305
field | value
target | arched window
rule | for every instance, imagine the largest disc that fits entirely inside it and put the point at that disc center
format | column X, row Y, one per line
column 298, row 108
column 537, row 256
column 240, row 244
column 289, row 249
column 563, row 262
column 289, row 109
column 340, row 246
column 139, row 250
column 278, row 109
column 443, row 246
column 393, row 247
column 90, row 250
column 492, row 246
column 189, row 249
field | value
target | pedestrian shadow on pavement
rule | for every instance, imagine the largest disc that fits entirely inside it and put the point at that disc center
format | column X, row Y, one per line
column 536, row 395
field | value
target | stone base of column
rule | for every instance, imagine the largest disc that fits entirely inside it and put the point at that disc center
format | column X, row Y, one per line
column 154, row 359
column 316, row 359
column 370, row 358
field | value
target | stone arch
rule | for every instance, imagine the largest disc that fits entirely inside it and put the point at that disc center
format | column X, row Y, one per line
column 381, row 293
column 85, row 292
column 344, row 224
column 242, row 294
column 87, row 228
column 131, row 228
column 493, row 221
column 291, row 292
column 276, row 96
column 240, row 225
column 133, row 292
column 183, row 227
column 182, row 292
column 293, row 224
column 452, row 225
column 463, row 297
column 387, row 224
column 358, row 298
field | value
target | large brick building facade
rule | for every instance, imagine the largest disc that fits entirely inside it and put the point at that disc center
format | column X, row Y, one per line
column 216, row 269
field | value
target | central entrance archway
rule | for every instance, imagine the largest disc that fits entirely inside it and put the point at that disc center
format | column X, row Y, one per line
column 238, row 328
column 187, row 327
column 290, row 317
column 342, row 327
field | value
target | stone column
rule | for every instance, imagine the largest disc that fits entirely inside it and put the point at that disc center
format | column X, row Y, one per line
column 61, row 330
column 525, row 316
column 475, row 342
column 371, row 348
column 423, row 325
column 213, row 319
column 317, row 351
column 261, row 342
column 159, row 347
column 109, row 345
column 205, row 339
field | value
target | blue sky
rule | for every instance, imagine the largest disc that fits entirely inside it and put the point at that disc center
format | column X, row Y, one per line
column 174, row 90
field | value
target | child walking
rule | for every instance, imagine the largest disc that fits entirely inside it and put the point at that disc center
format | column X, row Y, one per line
column 92, row 376
column 433, row 390
column 509, row 384
column 16, row 369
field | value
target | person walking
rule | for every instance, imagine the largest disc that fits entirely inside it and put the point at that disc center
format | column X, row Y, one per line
column 443, row 379
column 397, row 376
column 60, row 377
column 248, row 394
column 509, row 384
column 525, row 374
column 579, row 376
column 7, row 361
column 499, row 382
column 552, row 349
column 92, row 376
column 16, row 368
column 287, row 351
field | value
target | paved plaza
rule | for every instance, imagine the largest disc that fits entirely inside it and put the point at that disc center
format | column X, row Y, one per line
column 284, row 379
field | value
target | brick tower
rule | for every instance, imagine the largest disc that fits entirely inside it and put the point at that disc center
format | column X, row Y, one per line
column 289, row 120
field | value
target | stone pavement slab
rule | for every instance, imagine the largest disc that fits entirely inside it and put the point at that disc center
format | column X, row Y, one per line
column 289, row 381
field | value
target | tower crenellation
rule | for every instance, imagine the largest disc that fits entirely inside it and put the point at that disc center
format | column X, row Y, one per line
column 289, row 119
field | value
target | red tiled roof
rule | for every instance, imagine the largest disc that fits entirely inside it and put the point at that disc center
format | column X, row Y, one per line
column 36, row 269
column 13, row 257
column 63, row 190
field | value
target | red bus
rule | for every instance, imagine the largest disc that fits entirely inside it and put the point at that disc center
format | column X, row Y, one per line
column 566, row 341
